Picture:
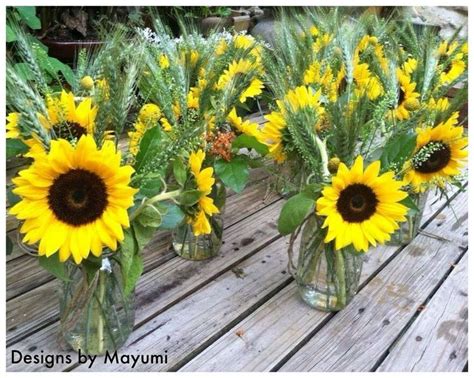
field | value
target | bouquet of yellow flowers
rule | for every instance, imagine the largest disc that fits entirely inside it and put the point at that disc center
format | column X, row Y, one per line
column 346, row 115
column 194, row 86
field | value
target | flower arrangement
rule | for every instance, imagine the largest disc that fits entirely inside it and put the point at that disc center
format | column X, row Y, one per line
column 199, row 95
column 365, row 120
column 148, row 132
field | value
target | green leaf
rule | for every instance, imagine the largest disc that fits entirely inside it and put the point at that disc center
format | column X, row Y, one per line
column 412, row 206
column 9, row 245
column 151, row 185
column 15, row 147
column 134, row 273
column 234, row 174
column 179, row 171
column 12, row 198
column 294, row 212
column 250, row 142
column 189, row 197
column 174, row 216
column 150, row 217
column 23, row 70
column 143, row 235
column 398, row 151
column 54, row 266
column 127, row 250
column 312, row 190
column 11, row 35
column 28, row 15
column 56, row 66
column 149, row 146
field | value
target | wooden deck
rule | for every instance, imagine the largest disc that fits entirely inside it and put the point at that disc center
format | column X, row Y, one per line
column 241, row 312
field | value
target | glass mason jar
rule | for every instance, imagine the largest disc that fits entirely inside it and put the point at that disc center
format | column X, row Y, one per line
column 96, row 316
column 202, row 247
column 327, row 279
column 409, row 229
column 289, row 178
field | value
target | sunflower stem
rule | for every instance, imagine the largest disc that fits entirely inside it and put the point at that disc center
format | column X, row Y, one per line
column 100, row 320
column 152, row 200
column 324, row 157
column 341, row 277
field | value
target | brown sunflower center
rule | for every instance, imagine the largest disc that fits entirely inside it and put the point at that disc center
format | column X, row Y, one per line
column 69, row 130
column 78, row 197
column 432, row 157
column 401, row 97
column 357, row 203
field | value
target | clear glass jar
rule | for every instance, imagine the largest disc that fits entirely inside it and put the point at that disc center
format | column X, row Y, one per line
column 327, row 279
column 409, row 229
column 202, row 247
column 289, row 178
column 95, row 314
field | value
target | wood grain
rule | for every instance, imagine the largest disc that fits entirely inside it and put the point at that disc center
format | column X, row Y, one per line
column 354, row 340
column 282, row 323
column 437, row 339
column 26, row 313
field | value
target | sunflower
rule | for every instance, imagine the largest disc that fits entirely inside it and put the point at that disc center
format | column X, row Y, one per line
column 235, row 69
column 148, row 117
column 164, row 61
column 299, row 100
column 439, row 155
column 13, row 130
column 254, row 89
column 272, row 135
column 74, row 199
column 454, row 69
column 367, row 84
column 245, row 127
column 243, row 41
column 66, row 120
column 204, row 182
column 304, row 98
column 361, row 207
column 439, row 105
column 221, row 47
column 407, row 97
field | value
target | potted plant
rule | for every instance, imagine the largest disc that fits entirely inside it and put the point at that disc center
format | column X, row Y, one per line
column 66, row 30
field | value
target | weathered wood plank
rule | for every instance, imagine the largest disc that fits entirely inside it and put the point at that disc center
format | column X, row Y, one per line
column 200, row 318
column 275, row 329
column 196, row 320
column 271, row 332
column 437, row 339
column 25, row 313
column 24, row 273
column 390, row 301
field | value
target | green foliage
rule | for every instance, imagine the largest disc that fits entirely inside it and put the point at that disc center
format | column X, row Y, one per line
column 15, row 147
column 28, row 15
column 134, row 274
column 397, row 151
column 173, row 217
column 234, row 174
column 54, row 266
column 189, row 197
column 151, row 216
column 294, row 212
column 250, row 142
column 149, row 146
column 179, row 171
